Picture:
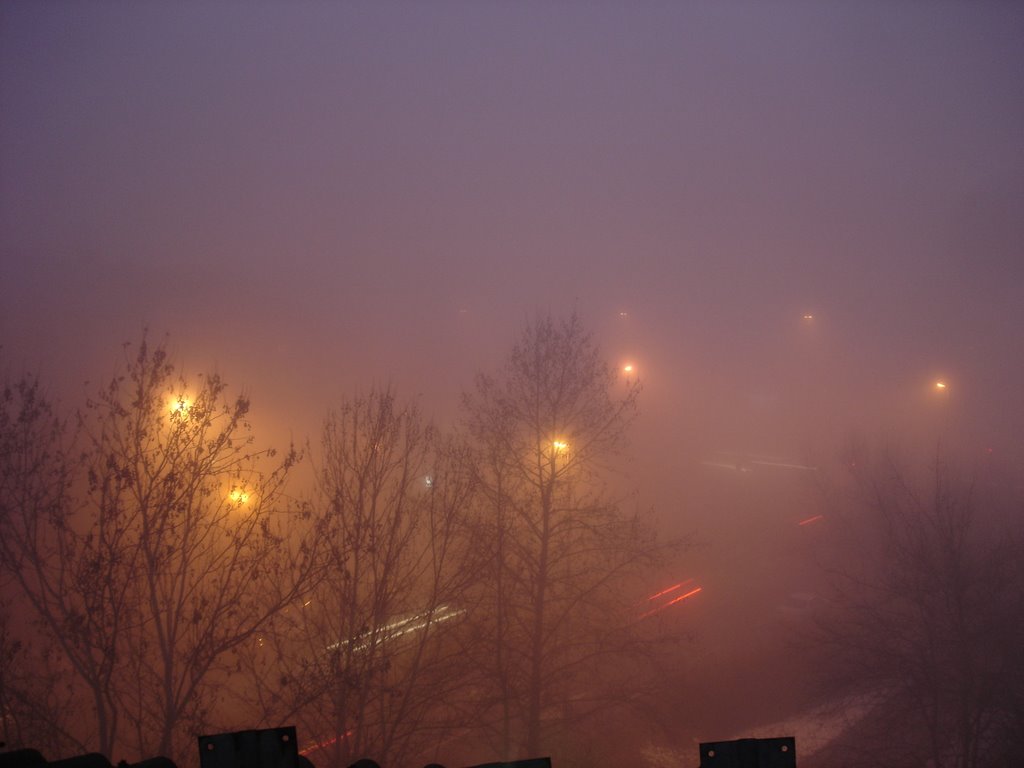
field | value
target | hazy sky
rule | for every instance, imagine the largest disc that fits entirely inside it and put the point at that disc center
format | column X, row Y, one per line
column 317, row 196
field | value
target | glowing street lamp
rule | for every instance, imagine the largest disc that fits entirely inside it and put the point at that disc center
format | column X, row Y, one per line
column 559, row 446
column 180, row 405
column 628, row 369
column 239, row 496
column 940, row 385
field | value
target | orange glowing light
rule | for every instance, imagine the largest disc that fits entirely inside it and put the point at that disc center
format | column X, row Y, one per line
column 560, row 446
column 627, row 368
column 940, row 384
column 180, row 405
column 808, row 316
column 239, row 496
column 810, row 520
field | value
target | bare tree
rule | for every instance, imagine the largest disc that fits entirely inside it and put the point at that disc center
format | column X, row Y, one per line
column 61, row 573
column 545, row 431
column 35, row 708
column 926, row 620
column 366, row 662
column 150, row 542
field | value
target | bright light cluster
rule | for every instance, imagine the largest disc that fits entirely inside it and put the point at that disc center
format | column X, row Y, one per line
column 180, row 405
column 239, row 495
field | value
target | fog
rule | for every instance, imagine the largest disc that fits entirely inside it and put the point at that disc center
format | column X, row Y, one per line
column 792, row 219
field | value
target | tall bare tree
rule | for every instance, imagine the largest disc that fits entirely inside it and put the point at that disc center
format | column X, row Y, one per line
column 367, row 663
column 61, row 573
column 149, row 540
column 926, row 619
column 546, row 431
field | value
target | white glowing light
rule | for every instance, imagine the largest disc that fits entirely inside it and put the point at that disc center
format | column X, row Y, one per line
column 398, row 627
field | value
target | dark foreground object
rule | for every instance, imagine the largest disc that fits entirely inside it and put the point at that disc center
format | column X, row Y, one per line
column 266, row 748
column 749, row 753
column 31, row 758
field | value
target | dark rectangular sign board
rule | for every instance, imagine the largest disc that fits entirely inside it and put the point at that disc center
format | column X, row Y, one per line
column 268, row 748
column 749, row 753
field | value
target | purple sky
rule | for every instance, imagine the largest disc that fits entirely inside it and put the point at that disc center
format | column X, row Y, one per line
column 305, row 195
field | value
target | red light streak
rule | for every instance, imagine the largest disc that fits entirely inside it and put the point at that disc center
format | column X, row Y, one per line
column 323, row 744
column 691, row 593
column 673, row 588
column 673, row 601
column 810, row 520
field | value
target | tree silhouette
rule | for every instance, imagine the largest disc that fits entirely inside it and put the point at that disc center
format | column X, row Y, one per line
column 149, row 541
column 925, row 619
column 366, row 662
column 545, row 430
